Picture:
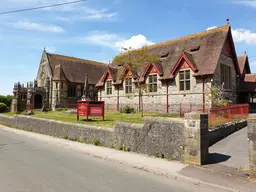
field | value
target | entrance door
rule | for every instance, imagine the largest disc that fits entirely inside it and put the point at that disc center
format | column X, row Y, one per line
column 38, row 101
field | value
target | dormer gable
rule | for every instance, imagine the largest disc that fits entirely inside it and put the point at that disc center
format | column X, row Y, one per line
column 185, row 61
column 128, row 72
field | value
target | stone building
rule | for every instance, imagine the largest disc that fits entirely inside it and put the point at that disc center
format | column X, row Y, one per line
column 188, row 69
column 59, row 83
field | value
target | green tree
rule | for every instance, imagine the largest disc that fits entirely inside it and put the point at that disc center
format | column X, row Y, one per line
column 7, row 100
column 137, row 59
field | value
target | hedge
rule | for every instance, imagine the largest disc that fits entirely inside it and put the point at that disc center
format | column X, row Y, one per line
column 3, row 108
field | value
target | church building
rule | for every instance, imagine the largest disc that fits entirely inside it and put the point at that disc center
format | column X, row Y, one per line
column 59, row 83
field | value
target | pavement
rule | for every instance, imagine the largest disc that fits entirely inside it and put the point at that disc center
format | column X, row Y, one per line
column 35, row 162
column 232, row 151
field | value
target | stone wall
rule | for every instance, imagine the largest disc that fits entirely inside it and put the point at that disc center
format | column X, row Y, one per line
column 252, row 146
column 157, row 102
column 220, row 132
column 158, row 136
column 163, row 137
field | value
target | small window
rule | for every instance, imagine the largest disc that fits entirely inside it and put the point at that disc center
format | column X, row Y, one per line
column 128, row 85
column 164, row 55
column 109, row 87
column 153, row 83
column 195, row 49
column 184, row 80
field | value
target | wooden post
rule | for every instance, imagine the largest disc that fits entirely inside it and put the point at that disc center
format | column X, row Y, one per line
column 139, row 98
column 167, row 97
column 228, row 111
column 117, row 107
column 203, row 96
column 103, row 111
column 180, row 109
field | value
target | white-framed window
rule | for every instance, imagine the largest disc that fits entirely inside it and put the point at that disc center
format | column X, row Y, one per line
column 109, row 87
column 184, row 80
column 128, row 85
column 152, row 83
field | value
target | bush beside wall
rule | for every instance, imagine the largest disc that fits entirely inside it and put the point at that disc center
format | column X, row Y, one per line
column 3, row 107
column 7, row 100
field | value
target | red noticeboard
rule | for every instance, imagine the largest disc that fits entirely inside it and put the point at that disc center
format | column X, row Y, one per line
column 90, row 108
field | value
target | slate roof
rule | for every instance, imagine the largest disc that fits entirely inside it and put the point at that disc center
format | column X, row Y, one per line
column 203, row 49
column 248, row 84
column 243, row 63
column 75, row 69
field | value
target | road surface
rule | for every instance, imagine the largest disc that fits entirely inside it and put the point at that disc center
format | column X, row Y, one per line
column 27, row 164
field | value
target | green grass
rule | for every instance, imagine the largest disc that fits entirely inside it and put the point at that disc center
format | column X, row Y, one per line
column 110, row 117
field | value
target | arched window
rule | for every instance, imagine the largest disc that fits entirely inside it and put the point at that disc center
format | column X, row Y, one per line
column 42, row 79
column 78, row 91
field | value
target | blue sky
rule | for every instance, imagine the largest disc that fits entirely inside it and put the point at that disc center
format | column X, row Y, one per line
column 95, row 29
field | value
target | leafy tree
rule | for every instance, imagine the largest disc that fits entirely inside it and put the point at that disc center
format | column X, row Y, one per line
column 136, row 60
column 7, row 100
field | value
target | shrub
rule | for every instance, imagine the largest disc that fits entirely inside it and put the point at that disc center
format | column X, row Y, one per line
column 7, row 100
column 96, row 142
column 3, row 107
column 128, row 109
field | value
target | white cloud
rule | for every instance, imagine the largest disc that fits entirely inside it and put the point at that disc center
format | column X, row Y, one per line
column 114, row 41
column 213, row 27
column 251, row 3
column 134, row 42
column 99, row 16
column 100, row 38
column 87, row 13
column 37, row 27
column 241, row 35
column 244, row 35
column 76, row 11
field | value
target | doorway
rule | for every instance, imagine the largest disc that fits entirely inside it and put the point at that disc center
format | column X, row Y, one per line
column 38, row 101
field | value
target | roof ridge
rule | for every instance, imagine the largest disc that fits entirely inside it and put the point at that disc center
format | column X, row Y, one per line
column 214, row 30
column 76, row 58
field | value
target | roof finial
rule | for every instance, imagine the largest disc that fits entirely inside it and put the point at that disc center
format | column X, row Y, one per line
column 44, row 48
column 245, row 52
column 227, row 20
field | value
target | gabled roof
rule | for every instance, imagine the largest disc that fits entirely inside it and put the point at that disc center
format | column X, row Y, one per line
column 243, row 63
column 188, row 58
column 248, row 84
column 75, row 69
column 201, row 49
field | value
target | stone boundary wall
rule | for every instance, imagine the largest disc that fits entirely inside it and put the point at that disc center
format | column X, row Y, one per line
column 220, row 132
column 252, row 146
column 162, row 137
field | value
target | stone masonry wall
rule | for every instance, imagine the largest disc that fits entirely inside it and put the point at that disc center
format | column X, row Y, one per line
column 252, row 147
column 158, row 136
column 156, row 102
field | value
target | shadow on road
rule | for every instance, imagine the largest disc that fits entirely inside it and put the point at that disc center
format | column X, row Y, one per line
column 214, row 158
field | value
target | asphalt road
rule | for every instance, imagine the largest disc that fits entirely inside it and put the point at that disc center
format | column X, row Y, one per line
column 27, row 164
